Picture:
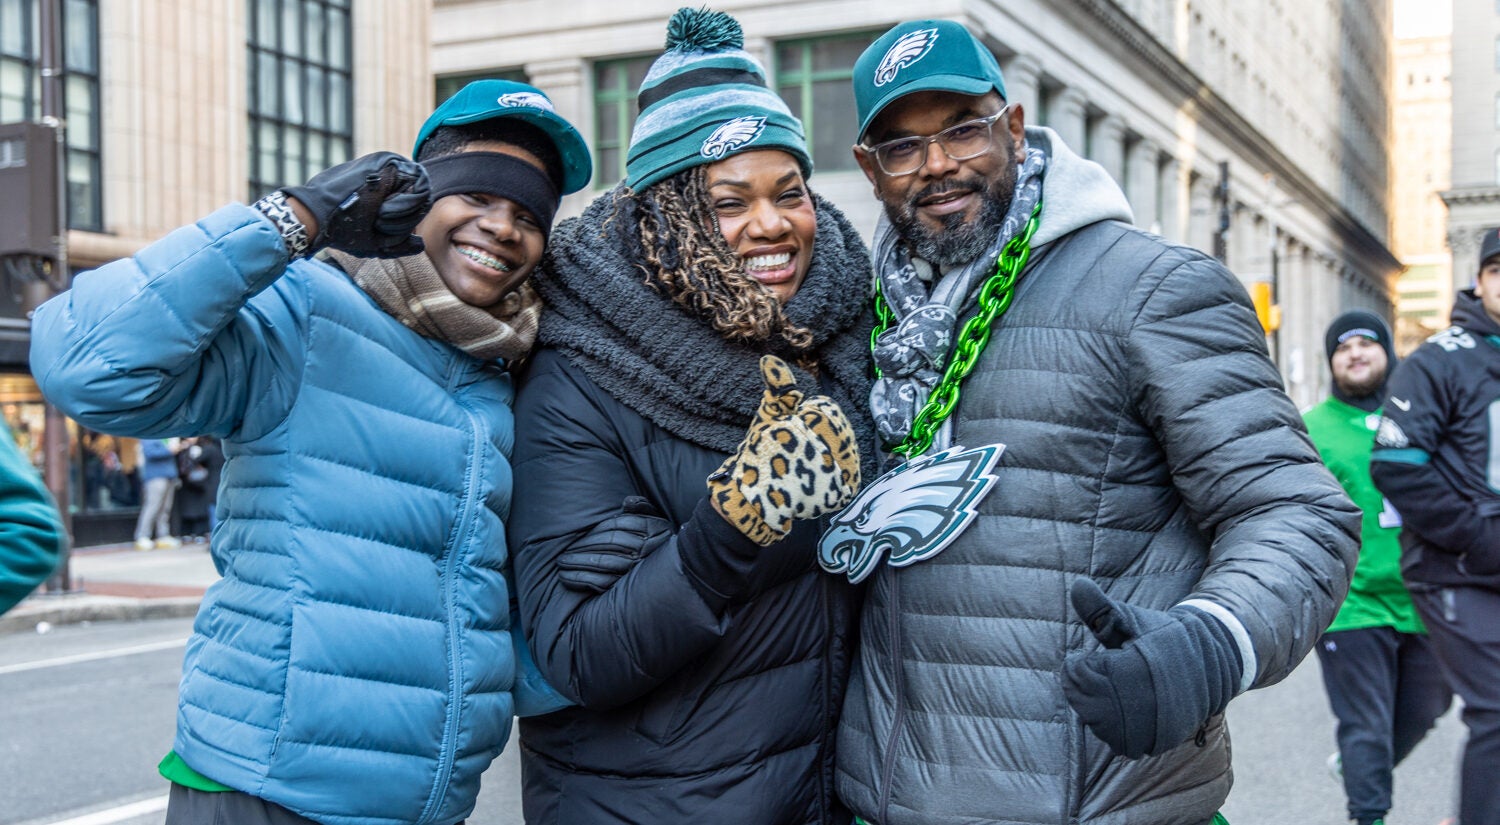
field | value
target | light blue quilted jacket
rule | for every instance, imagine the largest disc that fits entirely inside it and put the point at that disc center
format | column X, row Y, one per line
column 355, row 663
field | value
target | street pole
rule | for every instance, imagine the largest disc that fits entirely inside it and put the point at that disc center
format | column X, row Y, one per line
column 1221, row 197
column 55, row 427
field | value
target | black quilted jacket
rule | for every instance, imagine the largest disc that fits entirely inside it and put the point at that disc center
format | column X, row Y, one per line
column 708, row 696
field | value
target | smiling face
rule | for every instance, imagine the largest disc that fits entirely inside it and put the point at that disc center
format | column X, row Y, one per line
column 948, row 211
column 766, row 214
column 483, row 246
column 1359, row 366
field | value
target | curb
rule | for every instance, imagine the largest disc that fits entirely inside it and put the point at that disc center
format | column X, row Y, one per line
column 78, row 609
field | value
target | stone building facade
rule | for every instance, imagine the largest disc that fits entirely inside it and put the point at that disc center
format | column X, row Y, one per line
column 176, row 107
column 1473, row 198
column 1422, row 142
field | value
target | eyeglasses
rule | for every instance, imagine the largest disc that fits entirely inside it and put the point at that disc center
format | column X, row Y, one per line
column 966, row 140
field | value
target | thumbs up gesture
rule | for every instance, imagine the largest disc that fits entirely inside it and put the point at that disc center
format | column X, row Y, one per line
column 799, row 460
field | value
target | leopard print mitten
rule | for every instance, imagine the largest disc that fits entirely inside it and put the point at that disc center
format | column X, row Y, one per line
column 799, row 460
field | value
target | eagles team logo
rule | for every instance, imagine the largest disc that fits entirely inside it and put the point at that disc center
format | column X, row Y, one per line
column 531, row 99
column 1389, row 434
column 731, row 135
column 910, row 48
column 911, row 513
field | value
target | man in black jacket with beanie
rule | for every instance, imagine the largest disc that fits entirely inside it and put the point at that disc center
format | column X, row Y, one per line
column 1437, row 459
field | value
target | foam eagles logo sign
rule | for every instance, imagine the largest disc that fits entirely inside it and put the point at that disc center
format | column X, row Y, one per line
column 731, row 135
column 911, row 513
column 907, row 50
column 531, row 99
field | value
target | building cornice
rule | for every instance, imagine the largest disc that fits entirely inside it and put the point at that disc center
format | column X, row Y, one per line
column 1132, row 42
column 1471, row 196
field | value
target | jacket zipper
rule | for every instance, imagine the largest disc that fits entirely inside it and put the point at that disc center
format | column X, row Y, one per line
column 830, row 713
column 455, row 678
column 897, row 690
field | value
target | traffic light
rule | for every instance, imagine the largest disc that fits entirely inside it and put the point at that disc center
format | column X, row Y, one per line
column 1267, row 313
column 28, row 176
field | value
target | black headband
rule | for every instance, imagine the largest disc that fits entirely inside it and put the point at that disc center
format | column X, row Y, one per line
column 498, row 174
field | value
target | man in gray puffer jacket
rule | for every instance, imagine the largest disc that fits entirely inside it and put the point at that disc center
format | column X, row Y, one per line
column 1110, row 521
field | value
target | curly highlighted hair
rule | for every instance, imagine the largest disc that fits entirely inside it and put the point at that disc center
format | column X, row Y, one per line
column 686, row 258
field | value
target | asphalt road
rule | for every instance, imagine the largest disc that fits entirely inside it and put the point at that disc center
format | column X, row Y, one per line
column 88, row 711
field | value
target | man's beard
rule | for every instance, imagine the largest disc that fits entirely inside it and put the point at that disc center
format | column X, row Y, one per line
column 1361, row 389
column 954, row 242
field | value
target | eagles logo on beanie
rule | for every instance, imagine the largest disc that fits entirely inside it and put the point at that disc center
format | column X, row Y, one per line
column 704, row 100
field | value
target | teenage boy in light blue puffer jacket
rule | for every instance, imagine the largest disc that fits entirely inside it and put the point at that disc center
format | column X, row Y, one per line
column 356, row 663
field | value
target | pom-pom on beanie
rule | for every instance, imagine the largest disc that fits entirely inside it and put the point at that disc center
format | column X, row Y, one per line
column 705, row 99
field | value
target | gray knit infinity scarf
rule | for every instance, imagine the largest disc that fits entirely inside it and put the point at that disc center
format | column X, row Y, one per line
column 912, row 354
column 671, row 366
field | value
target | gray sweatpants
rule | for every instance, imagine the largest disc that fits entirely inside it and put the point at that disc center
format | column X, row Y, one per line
column 156, row 508
column 186, row 806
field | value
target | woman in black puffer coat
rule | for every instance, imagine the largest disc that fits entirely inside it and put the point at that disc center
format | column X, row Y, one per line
column 708, row 669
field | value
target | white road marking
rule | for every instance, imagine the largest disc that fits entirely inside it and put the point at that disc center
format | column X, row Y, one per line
column 92, row 657
column 145, row 807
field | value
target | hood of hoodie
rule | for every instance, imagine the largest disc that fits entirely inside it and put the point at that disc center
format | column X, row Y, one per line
column 1469, row 313
column 1075, row 191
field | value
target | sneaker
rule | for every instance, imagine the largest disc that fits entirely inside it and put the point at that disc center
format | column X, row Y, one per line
column 144, row 544
column 1336, row 766
column 168, row 543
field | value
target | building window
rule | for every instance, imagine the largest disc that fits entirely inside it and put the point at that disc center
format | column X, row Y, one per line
column 301, row 97
column 21, row 93
column 447, row 85
column 813, row 77
column 615, row 85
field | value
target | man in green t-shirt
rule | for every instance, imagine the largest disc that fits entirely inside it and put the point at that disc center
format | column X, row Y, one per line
column 1382, row 680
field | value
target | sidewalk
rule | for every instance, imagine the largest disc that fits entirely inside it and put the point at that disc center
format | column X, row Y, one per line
column 115, row 582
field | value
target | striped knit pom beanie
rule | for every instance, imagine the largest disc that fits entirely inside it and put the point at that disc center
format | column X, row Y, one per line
column 705, row 99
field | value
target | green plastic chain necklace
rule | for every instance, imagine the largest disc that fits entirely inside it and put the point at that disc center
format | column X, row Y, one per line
column 994, row 298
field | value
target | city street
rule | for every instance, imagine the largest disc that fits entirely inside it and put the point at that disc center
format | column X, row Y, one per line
column 88, row 712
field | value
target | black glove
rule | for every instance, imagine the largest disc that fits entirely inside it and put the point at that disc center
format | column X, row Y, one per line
column 595, row 562
column 1158, row 677
column 368, row 206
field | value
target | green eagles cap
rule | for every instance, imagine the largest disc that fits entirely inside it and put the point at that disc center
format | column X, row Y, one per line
column 925, row 55
column 486, row 99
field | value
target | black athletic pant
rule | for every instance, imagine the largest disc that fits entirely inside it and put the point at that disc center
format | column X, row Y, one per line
column 1464, row 625
column 1387, row 691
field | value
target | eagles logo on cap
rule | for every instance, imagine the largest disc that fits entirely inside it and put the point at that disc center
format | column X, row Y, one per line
column 535, row 101
column 909, row 49
column 731, row 135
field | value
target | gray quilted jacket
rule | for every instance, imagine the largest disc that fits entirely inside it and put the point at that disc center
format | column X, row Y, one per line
column 1149, row 445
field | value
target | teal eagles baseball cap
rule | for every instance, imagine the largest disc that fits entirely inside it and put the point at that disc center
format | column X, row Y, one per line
column 924, row 55
column 486, row 99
